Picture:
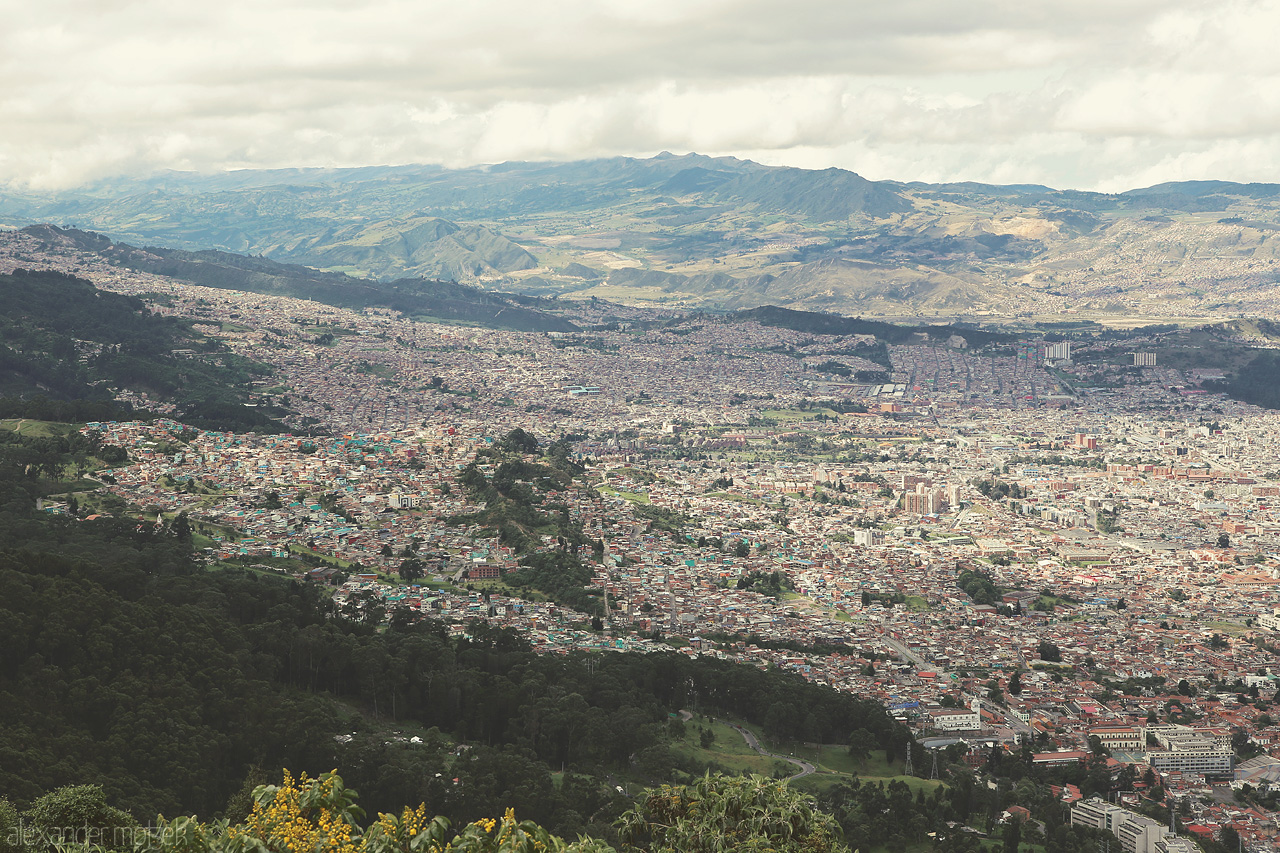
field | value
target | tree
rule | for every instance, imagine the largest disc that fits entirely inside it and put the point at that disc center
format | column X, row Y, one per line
column 1224, row 541
column 519, row 441
column 75, row 815
column 861, row 742
column 411, row 570
column 8, row 828
column 1015, row 683
column 721, row 814
column 742, row 549
column 321, row 815
column 1049, row 652
column 241, row 803
column 182, row 527
column 1012, row 836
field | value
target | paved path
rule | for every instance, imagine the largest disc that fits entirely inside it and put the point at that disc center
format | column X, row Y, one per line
column 902, row 649
column 805, row 767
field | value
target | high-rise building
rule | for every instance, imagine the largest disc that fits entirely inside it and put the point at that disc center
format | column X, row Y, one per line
column 1060, row 351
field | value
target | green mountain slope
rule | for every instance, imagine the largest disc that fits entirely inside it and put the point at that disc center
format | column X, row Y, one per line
column 63, row 339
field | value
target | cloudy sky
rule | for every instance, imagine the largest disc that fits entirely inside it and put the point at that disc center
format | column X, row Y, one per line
column 1091, row 94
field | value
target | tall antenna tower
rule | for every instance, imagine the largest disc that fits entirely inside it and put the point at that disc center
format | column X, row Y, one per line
column 908, row 769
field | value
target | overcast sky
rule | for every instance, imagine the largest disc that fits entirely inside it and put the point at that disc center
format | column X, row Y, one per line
column 1090, row 94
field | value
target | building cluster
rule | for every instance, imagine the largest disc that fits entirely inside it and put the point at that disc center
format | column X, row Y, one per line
column 1136, row 833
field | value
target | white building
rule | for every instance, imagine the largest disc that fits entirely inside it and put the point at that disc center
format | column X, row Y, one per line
column 868, row 537
column 958, row 719
column 1060, row 351
column 1188, row 750
column 1137, row 833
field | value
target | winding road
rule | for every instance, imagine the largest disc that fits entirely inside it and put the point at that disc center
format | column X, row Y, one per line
column 805, row 767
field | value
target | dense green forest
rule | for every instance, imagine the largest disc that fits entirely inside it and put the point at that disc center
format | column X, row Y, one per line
column 64, row 341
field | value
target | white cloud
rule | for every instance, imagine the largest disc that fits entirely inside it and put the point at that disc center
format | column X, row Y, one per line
column 1087, row 93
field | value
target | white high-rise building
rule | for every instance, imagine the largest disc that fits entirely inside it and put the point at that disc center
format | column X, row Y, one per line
column 1061, row 351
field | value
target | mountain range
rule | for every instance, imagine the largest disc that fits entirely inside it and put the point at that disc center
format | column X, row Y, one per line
column 722, row 233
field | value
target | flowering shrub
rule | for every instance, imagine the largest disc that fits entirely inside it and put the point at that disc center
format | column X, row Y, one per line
column 306, row 815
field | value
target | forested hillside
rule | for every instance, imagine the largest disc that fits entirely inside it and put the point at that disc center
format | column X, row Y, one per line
column 63, row 339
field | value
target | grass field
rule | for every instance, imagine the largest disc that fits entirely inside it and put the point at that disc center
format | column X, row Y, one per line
column 327, row 558
column 36, row 429
column 834, row 765
column 728, row 751
column 1225, row 627
column 634, row 497
column 796, row 414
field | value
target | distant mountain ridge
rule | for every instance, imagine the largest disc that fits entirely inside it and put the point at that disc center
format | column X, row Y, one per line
column 721, row 233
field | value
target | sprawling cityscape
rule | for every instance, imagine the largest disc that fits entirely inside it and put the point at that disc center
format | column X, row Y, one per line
column 1034, row 550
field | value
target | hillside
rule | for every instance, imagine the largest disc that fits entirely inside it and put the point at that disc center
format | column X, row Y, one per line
column 443, row 300
column 696, row 231
column 63, row 340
